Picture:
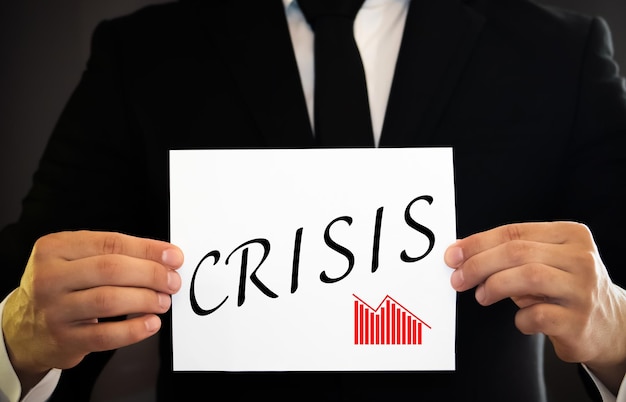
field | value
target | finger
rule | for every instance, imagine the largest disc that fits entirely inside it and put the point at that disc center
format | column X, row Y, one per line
column 115, row 334
column 477, row 268
column 550, row 319
column 527, row 284
column 82, row 244
column 119, row 270
column 541, row 232
column 107, row 301
column 564, row 326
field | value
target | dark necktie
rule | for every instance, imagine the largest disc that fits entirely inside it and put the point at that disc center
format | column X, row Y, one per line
column 342, row 115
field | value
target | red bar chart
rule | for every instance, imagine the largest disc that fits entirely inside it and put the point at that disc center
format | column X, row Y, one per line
column 388, row 324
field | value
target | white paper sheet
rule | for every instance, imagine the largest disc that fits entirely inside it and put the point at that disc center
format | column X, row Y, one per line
column 313, row 260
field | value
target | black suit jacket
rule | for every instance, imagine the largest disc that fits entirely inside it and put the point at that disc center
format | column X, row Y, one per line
column 528, row 96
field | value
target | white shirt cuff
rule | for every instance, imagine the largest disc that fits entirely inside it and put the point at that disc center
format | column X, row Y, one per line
column 10, row 387
column 607, row 396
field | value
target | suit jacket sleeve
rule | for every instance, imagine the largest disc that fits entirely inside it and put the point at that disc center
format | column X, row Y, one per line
column 597, row 161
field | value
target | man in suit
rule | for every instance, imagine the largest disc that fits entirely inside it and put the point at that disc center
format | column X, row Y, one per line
column 528, row 96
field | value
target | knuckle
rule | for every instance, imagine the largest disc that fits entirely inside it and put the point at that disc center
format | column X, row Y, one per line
column 493, row 283
column 39, row 282
column 112, row 244
column 580, row 231
column 149, row 250
column 580, row 228
column 101, row 339
column 512, row 232
column 108, row 267
column 517, row 251
column 159, row 276
column 587, row 259
column 471, row 268
column 540, row 318
column 45, row 245
column 532, row 323
column 587, row 299
column 103, row 302
column 535, row 275
column 42, row 282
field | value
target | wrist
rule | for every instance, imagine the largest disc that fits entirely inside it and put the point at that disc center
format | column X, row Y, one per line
column 610, row 367
column 27, row 370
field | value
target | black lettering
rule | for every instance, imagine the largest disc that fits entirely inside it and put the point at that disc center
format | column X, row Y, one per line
column 338, row 248
column 376, row 245
column 192, row 290
column 420, row 228
column 295, row 268
column 241, row 297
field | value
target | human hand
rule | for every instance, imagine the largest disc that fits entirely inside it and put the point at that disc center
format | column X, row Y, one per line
column 74, row 278
column 554, row 273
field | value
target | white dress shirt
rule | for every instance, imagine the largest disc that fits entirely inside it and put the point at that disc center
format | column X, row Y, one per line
column 378, row 29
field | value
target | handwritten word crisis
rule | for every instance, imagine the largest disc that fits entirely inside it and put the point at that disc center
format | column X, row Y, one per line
column 244, row 248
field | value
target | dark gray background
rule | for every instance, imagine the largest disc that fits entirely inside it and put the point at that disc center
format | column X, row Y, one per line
column 43, row 49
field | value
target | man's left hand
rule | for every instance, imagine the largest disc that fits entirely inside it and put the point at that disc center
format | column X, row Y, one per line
column 554, row 273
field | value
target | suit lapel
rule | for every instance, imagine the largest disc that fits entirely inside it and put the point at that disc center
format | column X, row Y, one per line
column 438, row 39
column 254, row 37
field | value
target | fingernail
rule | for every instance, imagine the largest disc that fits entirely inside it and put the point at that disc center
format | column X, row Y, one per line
column 454, row 256
column 457, row 279
column 153, row 324
column 173, row 281
column 480, row 294
column 172, row 257
column 164, row 300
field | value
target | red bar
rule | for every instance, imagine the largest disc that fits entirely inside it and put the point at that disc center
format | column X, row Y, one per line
column 372, row 329
column 409, row 329
column 383, row 327
column 398, row 326
column 387, row 326
column 356, row 322
column 393, row 324
column 378, row 319
column 403, row 326
column 409, row 326
column 366, row 313
column 419, row 333
column 414, row 326
column 361, row 323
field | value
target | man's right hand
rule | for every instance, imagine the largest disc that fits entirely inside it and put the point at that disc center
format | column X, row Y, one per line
column 73, row 279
